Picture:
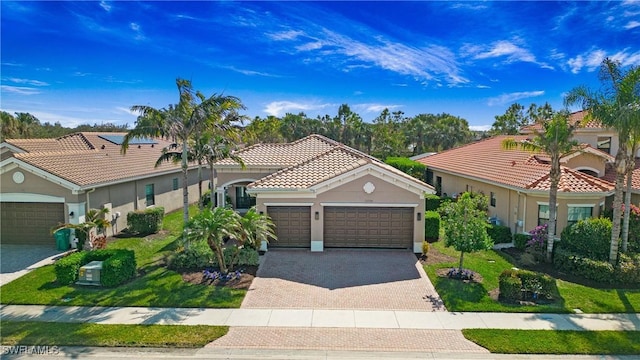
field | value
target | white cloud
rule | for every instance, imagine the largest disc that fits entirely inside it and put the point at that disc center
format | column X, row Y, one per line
column 249, row 72
column 591, row 60
column 105, row 5
column 503, row 48
column 632, row 24
column 480, row 127
column 511, row 97
column 27, row 81
column 285, row 35
column 279, row 108
column 483, row 87
column 375, row 108
column 122, row 109
column 469, row 6
column 21, row 90
column 136, row 29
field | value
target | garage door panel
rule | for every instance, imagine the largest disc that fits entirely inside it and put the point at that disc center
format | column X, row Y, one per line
column 29, row 223
column 293, row 225
column 368, row 227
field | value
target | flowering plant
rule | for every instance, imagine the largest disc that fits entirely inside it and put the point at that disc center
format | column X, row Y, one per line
column 538, row 237
column 455, row 273
column 217, row 275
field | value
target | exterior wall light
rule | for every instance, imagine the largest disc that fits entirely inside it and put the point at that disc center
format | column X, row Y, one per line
column 317, row 215
column 418, row 216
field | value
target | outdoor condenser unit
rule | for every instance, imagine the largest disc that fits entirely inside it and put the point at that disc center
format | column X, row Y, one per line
column 90, row 274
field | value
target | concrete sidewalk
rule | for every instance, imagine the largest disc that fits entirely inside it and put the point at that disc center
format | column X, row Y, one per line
column 321, row 318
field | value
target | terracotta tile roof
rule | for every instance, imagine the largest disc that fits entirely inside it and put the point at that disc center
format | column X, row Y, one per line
column 610, row 175
column 86, row 159
column 486, row 160
column 33, row 145
column 318, row 166
column 282, row 155
column 576, row 118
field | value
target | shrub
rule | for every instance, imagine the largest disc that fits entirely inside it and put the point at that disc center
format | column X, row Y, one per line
column 513, row 283
column 431, row 225
column 118, row 266
column 148, row 221
column 408, row 166
column 500, row 234
column 425, row 248
column 628, row 269
column 580, row 265
column 248, row 257
column 510, row 288
column 432, row 202
column 590, row 238
column 66, row 269
column 197, row 256
column 520, row 240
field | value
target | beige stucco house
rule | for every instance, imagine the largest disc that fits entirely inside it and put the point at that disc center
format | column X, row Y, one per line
column 517, row 182
column 44, row 182
column 323, row 194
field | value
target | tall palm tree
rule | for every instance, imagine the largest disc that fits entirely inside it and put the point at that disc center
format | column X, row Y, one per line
column 220, row 147
column 615, row 105
column 634, row 146
column 180, row 122
column 555, row 141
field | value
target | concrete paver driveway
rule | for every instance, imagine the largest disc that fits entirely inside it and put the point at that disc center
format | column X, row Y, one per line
column 342, row 279
column 17, row 260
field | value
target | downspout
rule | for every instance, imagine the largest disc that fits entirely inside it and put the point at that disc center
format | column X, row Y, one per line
column 88, row 202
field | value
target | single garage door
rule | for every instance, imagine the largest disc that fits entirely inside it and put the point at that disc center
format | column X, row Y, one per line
column 293, row 226
column 29, row 223
column 370, row 227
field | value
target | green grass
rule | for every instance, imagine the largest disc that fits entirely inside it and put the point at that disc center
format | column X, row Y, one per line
column 68, row 334
column 459, row 296
column 157, row 286
column 556, row 342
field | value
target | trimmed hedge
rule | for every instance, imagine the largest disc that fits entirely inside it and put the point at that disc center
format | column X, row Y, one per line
column 200, row 256
column 577, row 264
column 432, row 202
column 514, row 283
column 628, row 270
column 119, row 265
column 408, row 166
column 148, row 221
column 431, row 225
column 520, row 240
column 499, row 233
column 590, row 238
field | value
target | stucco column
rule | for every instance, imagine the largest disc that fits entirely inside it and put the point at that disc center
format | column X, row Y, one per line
column 221, row 197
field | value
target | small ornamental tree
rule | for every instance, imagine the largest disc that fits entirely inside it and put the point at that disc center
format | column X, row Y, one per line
column 465, row 226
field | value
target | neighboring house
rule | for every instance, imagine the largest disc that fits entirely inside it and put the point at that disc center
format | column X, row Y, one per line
column 49, row 181
column 323, row 194
column 517, row 182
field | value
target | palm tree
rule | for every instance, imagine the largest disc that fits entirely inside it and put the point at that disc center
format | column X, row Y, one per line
column 219, row 147
column 93, row 219
column 256, row 228
column 215, row 226
column 555, row 141
column 180, row 122
column 634, row 146
column 615, row 106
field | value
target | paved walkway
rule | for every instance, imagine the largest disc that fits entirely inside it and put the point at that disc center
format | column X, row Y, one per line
column 321, row 318
column 342, row 279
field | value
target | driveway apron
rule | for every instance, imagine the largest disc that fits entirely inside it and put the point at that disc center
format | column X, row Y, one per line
column 342, row 279
column 17, row 260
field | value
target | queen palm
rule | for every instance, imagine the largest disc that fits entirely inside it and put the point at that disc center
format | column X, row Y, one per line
column 555, row 141
column 615, row 105
column 193, row 114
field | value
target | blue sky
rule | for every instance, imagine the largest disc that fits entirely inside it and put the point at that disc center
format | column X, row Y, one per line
column 88, row 62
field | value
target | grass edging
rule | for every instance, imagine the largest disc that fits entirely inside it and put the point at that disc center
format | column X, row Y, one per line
column 506, row 341
column 74, row 334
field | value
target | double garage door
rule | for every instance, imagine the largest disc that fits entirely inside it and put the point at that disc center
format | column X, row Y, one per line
column 29, row 223
column 345, row 227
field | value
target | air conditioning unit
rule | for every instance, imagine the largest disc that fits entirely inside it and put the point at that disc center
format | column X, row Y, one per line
column 90, row 274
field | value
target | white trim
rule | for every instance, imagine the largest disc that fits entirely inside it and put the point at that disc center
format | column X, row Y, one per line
column 30, row 198
column 317, row 246
column 352, row 204
column 12, row 148
column 231, row 182
column 287, row 204
column 582, row 205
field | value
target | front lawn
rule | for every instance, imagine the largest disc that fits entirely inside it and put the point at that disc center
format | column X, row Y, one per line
column 155, row 286
column 460, row 296
column 71, row 334
column 556, row 342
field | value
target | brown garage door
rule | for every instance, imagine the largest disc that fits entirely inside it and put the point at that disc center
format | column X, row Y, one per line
column 29, row 223
column 293, row 226
column 374, row 227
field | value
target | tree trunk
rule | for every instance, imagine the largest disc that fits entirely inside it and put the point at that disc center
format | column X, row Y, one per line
column 185, row 183
column 219, row 251
column 554, row 176
column 460, row 265
column 621, row 171
column 627, row 206
column 214, row 194
column 200, row 202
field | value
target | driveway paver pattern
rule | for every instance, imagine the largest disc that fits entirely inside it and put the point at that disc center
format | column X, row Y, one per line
column 449, row 341
column 342, row 279
column 17, row 260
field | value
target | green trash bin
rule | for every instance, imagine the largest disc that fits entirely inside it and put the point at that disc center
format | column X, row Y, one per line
column 62, row 239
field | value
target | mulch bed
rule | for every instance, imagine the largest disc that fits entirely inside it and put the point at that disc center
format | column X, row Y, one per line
column 243, row 283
